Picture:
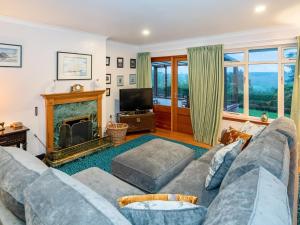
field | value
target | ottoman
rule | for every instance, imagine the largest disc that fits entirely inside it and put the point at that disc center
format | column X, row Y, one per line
column 152, row 165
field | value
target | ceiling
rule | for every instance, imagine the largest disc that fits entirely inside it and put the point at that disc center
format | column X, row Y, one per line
column 167, row 20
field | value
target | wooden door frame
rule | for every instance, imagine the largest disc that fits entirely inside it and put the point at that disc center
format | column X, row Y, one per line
column 174, row 85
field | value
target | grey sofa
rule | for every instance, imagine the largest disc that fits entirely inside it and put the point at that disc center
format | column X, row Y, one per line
column 273, row 152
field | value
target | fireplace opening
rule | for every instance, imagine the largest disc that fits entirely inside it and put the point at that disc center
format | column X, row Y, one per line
column 75, row 130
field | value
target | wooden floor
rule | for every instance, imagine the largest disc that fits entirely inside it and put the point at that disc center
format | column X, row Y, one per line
column 185, row 138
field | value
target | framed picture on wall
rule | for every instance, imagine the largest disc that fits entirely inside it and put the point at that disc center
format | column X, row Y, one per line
column 10, row 55
column 120, row 80
column 108, row 79
column 132, row 63
column 132, row 78
column 74, row 66
column 107, row 61
column 107, row 92
column 120, row 62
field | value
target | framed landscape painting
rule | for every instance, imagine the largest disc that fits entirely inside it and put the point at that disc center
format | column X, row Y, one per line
column 132, row 79
column 10, row 55
column 74, row 66
column 120, row 80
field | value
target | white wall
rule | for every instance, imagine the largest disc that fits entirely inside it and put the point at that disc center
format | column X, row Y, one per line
column 20, row 88
column 115, row 50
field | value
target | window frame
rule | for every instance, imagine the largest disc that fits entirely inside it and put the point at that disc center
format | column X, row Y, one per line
column 281, row 62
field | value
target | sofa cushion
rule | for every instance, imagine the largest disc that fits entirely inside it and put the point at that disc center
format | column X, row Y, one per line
column 270, row 152
column 153, row 164
column 221, row 163
column 255, row 198
column 164, row 213
column 7, row 217
column 56, row 198
column 207, row 157
column 231, row 135
column 191, row 181
column 18, row 169
column 106, row 185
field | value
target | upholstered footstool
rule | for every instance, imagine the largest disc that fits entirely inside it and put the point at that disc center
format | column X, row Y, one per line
column 152, row 165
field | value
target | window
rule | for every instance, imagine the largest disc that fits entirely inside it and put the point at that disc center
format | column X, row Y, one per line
column 161, row 79
column 183, row 85
column 259, row 80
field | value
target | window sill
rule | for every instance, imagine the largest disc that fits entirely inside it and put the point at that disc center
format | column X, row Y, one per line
column 243, row 118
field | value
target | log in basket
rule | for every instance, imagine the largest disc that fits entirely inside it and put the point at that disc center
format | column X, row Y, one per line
column 117, row 132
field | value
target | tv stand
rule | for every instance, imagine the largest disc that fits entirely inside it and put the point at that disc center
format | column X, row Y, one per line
column 138, row 120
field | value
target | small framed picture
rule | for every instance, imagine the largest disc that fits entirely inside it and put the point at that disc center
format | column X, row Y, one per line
column 132, row 78
column 120, row 62
column 108, row 79
column 120, row 80
column 107, row 61
column 10, row 55
column 74, row 66
column 132, row 63
column 107, row 92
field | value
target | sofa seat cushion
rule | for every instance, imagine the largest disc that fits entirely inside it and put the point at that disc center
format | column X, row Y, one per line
column 7, row 217
column 56, row 198
column 255, row 198
column 153, row 164
column 270, row 152
column 191, row 181
column 106, row 185
column 18, row 169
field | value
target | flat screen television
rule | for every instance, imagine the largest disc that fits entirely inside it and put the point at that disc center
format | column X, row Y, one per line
column 136, row 99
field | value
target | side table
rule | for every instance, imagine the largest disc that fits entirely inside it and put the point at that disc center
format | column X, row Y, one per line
column 10, row 136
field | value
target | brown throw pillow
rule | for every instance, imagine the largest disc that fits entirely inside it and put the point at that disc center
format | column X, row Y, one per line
column 123, row 201
column 231, row 135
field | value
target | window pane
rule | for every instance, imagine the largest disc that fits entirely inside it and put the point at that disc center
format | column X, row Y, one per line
column 183, row 84
column 290, row 53
column 234, row 89
column 265, row 55
column 289, row 72
column 263, row 90
column 161, row 82
column 234, row 57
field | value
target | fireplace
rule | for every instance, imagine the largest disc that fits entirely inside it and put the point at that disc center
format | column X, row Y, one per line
column 75, row 130
column 74, row 126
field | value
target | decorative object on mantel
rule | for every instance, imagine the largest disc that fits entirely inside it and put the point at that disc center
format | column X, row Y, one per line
column 264, row 117
column 117, row 131
column 74, row 66
column 2, row 126
column 77, row 88
column 10, row 55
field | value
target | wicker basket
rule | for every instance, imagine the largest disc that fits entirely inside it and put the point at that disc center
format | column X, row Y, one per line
column 117, row 131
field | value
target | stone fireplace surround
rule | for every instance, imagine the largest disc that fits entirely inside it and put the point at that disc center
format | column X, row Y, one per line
column 57, row 100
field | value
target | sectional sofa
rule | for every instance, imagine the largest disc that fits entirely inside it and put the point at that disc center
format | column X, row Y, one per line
column 261, row 187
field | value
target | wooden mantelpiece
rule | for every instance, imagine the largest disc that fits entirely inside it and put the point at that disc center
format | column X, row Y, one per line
column 63, row 98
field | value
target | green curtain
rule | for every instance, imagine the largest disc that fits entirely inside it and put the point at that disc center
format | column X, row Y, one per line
column 143, row 70
column 295, row 111
column 206, row 88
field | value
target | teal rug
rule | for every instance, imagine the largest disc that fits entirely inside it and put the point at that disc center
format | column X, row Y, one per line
column 103, row 159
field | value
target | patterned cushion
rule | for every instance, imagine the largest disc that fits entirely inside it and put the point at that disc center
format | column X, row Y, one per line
column 221, row 163
column 256, row 198
column 164, row 213
column 231, row 135
column 56, row 198
column 123, row 201
column 18, row 169
column 252, row 129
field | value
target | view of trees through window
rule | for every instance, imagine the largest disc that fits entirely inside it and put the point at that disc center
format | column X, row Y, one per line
column 268, row 71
